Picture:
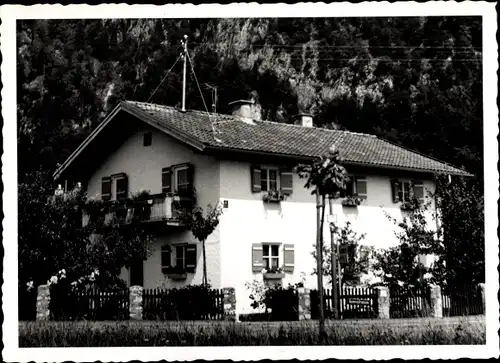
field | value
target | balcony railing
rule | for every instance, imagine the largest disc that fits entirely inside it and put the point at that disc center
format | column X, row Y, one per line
column 166, row 208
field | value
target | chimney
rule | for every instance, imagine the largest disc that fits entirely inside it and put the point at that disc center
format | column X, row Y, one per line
column 303, row 119
column 242, row 108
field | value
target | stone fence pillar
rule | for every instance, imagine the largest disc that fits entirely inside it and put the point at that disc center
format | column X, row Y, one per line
column 436, row 302
column 229, row 302
column 383, row 302
column 304, row 303
column 483, row 296
column 43, row 302
column 135, row 299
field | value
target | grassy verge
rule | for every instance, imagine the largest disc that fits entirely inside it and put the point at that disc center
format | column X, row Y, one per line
column 147, row 333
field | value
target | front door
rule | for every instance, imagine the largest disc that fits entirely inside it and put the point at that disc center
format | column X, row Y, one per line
column 137, row 273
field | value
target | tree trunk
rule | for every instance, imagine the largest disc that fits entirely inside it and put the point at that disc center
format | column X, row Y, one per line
column 205, row 280
column 319, row 264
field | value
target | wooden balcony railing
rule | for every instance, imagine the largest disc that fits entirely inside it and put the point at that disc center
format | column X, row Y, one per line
column 166, row 208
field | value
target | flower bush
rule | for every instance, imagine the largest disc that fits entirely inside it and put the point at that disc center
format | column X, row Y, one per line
column 273, row 196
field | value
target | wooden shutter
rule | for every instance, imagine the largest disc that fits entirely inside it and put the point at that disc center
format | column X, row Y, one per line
column 255, row 178
column 166, row 180
column 166, row 258
column 395, row 189
column 361, row 189
column 122, row 187
column 106, row 188
column 257, row 260
column 288, row 257
column 286, row 181
column 191, row 258
column 418, row 190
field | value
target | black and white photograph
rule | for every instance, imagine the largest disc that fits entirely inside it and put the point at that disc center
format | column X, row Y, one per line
column 256, row 177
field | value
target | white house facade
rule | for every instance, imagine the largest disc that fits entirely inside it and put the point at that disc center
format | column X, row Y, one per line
column 235, row 161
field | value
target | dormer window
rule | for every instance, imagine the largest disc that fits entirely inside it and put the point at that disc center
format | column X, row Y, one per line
column 147, row 139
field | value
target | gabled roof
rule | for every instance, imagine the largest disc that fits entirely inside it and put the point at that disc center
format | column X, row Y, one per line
column 210, row 132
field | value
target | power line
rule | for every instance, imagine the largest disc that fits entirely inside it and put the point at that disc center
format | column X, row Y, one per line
column 305, row 45
column 166, row 75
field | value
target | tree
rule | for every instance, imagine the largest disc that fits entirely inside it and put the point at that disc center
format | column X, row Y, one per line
column 202, row 225
column 358, row 262
column 52, row 237
column 461, row 259
column 457, row 243
column 326, row 176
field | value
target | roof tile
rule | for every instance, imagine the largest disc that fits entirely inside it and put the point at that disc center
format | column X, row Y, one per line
column 230, row 132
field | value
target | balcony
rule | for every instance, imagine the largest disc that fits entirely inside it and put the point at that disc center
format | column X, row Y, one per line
column 164, row 208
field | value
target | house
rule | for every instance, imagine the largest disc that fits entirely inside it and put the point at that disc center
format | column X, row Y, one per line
column 236, row 160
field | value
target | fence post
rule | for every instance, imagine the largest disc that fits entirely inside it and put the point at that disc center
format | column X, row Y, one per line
column 483, row 297
column 383, row 302
column 304, row 303
column 229, row 302
column 436, row 302
column 43, row 302
column 135, row 305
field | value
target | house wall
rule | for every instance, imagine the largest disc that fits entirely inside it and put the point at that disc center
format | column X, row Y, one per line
column 143, row 166
column 249, row 220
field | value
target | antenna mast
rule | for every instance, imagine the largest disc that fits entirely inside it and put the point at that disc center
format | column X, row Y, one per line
column 184, row 43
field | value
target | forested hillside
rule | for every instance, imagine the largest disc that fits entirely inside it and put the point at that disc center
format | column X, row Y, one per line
column 414, row 81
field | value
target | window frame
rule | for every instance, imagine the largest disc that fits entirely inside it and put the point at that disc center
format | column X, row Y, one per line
column 268, row 259
column 183, row 248
column 267, row 169
column 404, row 197
column 176, row 170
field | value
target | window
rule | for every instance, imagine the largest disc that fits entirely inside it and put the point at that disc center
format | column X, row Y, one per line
column 180, row 262
column 148, row 139
column 178, row 258
column 182, row 180
column 270, row 255
column 268, row 179
column 121, row 187
column 404, row 191
column 355, row 186
column 178, row 179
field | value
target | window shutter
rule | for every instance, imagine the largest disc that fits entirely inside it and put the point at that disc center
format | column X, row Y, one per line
column 191, row 258
column 257, row 260
column 106, row 188
column 190, row 190
column 255, row 171
column 286, row 180
column 418, row 190
column 166, row 258
column 122, row 187
column 166, row 180
column 395, row 189
column 288, row 257
column 361, row 187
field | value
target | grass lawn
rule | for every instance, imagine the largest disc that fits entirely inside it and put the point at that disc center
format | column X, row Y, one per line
column 464, row 330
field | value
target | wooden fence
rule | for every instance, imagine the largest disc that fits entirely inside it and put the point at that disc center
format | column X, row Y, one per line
column 408, row 302
column 183, row 304
column 461, row 300
column 89, row 303
column 354, row 303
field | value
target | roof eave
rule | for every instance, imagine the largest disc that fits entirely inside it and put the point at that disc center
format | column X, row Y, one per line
column 134, row 111
column 352, row 163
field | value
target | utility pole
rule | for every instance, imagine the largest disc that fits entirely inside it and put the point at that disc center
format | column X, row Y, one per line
column 184, row 43
column 333, row 249
column 319, row 266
